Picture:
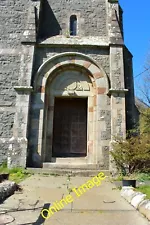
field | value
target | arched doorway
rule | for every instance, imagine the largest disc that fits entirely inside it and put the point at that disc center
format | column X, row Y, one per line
column 68, row 95
column 76, row 78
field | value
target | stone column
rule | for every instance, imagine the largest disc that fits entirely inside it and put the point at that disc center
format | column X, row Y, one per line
column 17, row 152
column 117, row 92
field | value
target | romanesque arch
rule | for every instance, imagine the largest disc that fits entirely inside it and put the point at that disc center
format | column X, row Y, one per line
column 72, row 76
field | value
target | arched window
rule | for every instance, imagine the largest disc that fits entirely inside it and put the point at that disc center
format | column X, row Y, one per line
column 73, row 25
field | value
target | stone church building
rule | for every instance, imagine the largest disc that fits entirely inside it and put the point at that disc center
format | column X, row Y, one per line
column 66, row 83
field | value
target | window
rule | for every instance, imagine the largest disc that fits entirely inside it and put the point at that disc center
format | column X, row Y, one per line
column 73, row 25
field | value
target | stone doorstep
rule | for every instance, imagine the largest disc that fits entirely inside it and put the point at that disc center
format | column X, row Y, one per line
column 63, row 171
column 137, row 200
column 70, row 165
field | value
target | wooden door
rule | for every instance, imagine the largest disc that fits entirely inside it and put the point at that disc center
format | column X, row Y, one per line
column 70, row 127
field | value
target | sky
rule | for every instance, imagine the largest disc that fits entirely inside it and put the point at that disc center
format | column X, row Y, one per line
column 136, row 18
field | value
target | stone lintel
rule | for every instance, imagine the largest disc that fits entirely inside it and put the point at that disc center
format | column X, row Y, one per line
column 23, row 88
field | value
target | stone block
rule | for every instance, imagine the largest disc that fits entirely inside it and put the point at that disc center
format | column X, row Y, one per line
column 105, row 135
column 128, row 193
column 101, row 82
column 147, row 207
column 144, row 208
column 17, row 152
column 136, row 200
column 101, row 90
column 7, row 188
column 90, row 109
column 87, row 64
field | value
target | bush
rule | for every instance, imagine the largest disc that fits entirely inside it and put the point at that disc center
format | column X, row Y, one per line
column 145, row 120
column 132, row 155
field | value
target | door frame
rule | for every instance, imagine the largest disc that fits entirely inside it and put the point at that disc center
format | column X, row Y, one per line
column 48, row 130
column 69, row 97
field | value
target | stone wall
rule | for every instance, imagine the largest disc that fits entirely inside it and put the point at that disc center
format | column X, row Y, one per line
column 19, row 21
column 91, row 17
column 12, row 23
column 99, row 54
column 9, row 73
column 101, row 57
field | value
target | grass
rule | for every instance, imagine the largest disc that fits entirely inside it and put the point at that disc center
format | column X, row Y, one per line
column 15, row 174
column 141, row 177
column 145, row 189
column 137, row 176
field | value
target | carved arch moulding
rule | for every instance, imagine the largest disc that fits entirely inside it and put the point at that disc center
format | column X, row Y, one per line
column 57, row 63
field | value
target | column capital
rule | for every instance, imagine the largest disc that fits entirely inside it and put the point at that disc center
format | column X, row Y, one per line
column 26, row 89
column 111, row 91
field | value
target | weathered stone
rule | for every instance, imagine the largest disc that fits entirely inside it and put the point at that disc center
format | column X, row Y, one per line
column 7, row 188
column 144, row 208
column 128, row 193
column 136, row 200
column 41, row 60
column 16, row 155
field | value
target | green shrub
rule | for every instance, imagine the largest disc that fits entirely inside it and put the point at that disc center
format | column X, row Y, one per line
column 132, row 155
column 143, row 177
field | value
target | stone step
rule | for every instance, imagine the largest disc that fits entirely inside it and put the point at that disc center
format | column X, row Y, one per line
column 71, row 166
column 65, row 171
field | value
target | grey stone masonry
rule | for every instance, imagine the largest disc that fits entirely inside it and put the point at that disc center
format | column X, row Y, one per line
column 13, row 22
column 40, row 60
column 91, row 17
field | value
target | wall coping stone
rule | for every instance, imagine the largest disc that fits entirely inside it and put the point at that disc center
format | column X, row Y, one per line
column 137, row 199
column 80, row 41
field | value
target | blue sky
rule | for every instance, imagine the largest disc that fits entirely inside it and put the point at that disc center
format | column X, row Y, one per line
column 137, row 33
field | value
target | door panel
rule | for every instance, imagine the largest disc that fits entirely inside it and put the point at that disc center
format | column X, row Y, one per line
column 70, row 127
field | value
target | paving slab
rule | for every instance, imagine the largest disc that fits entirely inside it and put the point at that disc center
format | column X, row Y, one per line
column 99, row 205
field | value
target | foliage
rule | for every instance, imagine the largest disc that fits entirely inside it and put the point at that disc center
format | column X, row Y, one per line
column 144, row 89
column 15, row 174
column 143, row 177
column 145, row 189
column 133, row 154
column 145, row 120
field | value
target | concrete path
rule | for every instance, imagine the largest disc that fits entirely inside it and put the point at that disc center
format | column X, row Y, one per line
column 98, row 206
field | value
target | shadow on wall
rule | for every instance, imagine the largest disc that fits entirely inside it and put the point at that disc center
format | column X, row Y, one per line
column 49, row 25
